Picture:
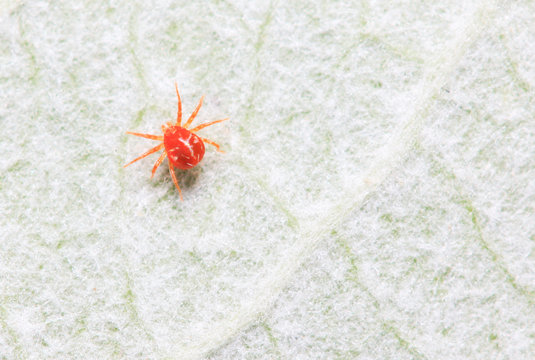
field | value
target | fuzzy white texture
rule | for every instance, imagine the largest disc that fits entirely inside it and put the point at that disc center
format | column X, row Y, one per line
column 376, row 199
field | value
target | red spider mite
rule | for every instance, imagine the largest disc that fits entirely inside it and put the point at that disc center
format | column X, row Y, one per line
column 184, row 148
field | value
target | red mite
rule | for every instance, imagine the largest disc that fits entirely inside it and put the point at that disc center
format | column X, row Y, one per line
column 184, row 148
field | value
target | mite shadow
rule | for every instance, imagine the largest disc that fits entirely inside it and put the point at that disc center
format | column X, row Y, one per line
column 186, row 178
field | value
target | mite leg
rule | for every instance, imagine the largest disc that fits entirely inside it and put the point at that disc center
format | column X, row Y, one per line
column 147, row 136
column 212, row 143
column 193, row 114
column 153, row 150
column 179, row 112
column 172, row 172
column 158, row 162
column 202, row 126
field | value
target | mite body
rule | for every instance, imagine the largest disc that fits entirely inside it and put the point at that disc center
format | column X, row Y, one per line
column 184, row 149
